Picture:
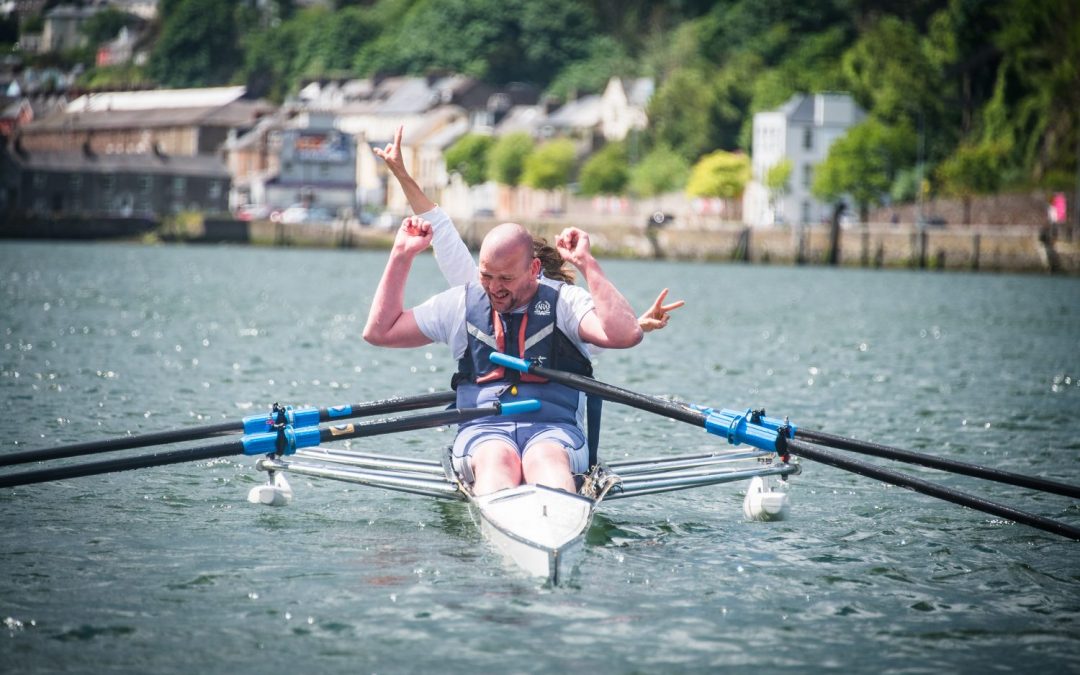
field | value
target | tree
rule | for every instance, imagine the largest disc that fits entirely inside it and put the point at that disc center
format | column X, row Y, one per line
column 777, row 179
column 971, row 170
column 498, row 41
column 864, row 163
column 661, row 170
column 550, row 165
column 106, row 24
column 468, row 156
column 719, row 174
column 607, row 172
column 506, row 159
column 1037, row 92
column 198, row 44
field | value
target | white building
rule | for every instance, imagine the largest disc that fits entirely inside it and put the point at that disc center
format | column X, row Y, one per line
column 801, row 131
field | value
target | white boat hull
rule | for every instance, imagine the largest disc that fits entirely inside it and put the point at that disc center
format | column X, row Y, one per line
column 539, row 529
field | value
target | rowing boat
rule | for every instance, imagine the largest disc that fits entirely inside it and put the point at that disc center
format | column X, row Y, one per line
column 542, row 531
column 539, row 530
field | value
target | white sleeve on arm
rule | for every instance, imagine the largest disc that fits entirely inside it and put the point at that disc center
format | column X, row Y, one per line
column 574, row 303
column 441, row 318
column 451, row 254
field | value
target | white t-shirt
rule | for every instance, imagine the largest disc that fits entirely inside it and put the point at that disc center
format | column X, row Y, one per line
column 442, row 317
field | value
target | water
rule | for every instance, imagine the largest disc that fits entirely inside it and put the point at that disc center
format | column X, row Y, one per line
column 170, row 570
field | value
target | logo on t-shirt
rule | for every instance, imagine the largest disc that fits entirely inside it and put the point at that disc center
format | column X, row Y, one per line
column 542, row 308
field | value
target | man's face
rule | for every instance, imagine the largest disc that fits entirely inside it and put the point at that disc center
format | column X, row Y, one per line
column 509, row 280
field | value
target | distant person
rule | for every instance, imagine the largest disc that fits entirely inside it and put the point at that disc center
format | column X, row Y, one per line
column 457, row 264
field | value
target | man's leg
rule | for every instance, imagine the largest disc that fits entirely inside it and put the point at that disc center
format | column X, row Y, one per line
column 547, row 463
column 495, row 466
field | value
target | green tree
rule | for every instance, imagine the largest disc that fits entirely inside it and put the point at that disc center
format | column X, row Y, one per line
column 661, row 170
column 198, row 44
column 498, row 41
column 106, row 24
column 607, row 172
column 719, row 174
column 550, row 165
column 1037, row 91
column 506, row 159
column 972, row 170
column 864, row 163
column 778, row 179
column 468, row 156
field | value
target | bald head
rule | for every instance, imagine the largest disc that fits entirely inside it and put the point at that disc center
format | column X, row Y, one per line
column 508, row 268
column 506, row 242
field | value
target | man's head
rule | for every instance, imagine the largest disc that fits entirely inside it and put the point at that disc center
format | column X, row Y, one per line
column 508, row 269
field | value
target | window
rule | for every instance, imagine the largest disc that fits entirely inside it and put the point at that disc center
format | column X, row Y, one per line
column 807, row 175
column 76, row 182
column 39, row 181
column 808, row 138
column 179, row 186
column 806, row 211
column 146, row 184
column 214, row 191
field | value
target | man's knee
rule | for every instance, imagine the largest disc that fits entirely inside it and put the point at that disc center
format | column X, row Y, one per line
column 495, row 455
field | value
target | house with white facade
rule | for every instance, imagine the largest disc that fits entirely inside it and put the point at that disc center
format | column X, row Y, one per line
column 623, row 106
column 801, row 131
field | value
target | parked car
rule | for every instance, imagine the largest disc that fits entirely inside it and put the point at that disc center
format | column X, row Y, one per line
column 297, row 213
column 252, row 212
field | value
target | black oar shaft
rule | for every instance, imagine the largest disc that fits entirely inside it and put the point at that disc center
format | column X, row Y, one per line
column 610, row 392
column 365, row 409
column 116, row 444
column 341, row 432
column 816, row 454
column 406, row 423
column 987, row 473
column 122, row 464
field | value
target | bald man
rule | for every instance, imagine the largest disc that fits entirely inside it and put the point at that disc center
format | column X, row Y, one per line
column 510, row 309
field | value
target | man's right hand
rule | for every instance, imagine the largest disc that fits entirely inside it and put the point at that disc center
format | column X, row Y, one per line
column 413, row 236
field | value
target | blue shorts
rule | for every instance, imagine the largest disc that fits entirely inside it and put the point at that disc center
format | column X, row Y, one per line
column 521, row 435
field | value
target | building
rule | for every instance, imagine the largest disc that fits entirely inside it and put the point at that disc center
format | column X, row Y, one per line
column 801, row 131
column 174, row 122
column 317, row 166
column 623, row 107
column 84, row 183
column 63, row 27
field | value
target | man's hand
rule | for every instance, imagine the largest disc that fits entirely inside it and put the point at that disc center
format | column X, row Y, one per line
column 657, row 316
column 573, row 245
column 413, row 236
column 391, row 154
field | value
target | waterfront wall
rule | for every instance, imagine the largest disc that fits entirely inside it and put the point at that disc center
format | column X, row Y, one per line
column 991, row 249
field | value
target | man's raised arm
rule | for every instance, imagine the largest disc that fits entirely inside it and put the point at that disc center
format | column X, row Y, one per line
column 389, row 324
column 613, row 325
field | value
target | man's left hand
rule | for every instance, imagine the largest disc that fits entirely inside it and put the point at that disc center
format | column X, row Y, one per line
column 574, row 246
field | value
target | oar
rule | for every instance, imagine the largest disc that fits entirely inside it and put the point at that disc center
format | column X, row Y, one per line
column 886, row 452
column 696, row 418
column 250, row 424
column 933, row 489
column 263, row 443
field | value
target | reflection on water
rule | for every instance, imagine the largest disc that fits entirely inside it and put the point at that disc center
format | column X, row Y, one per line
column 128, row 571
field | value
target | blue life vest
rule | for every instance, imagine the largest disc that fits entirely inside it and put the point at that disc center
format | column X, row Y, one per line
column 532, row 335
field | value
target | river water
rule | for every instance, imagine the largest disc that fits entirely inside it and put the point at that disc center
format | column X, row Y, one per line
column 171, row 570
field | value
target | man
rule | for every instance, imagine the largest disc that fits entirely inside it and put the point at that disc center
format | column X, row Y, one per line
column 512, row 310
